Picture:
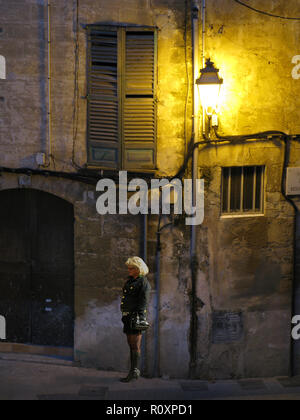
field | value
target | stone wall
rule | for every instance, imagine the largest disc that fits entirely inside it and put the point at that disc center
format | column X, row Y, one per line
column 254, row 53
column 26, row 50
column 248, row 268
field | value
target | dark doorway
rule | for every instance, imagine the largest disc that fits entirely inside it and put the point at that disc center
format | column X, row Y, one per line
column 37, row 268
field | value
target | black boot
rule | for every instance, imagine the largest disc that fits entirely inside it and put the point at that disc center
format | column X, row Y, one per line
column 127, row 379
column 134, row 372
column 136, row 356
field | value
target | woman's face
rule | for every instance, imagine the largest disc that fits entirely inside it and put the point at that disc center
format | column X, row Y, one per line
column 133, row 271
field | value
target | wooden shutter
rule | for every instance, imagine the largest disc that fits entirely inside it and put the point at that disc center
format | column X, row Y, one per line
column 103, row 98
column 139, row 109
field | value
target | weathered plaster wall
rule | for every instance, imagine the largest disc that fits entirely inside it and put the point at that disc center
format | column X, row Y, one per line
column 23, row 117
column 101, row 246
column 254, row 54
column 169, row 17
column 175, row 286
column 245, row 264
column 101, row 243
column 25, row 49
column 248, row 269
column 250, row 260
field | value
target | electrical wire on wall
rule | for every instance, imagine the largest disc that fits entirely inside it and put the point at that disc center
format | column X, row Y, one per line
column 79, row 177
column 236, row 139
column 265, row 13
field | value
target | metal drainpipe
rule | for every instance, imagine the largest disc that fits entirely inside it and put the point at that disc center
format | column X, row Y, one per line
column 293, row 365
column 156, row 360
column 203, row 11
column 49, row 85
column 156, row 364
column 294, row 369
column 144, row 256
column 193, row 253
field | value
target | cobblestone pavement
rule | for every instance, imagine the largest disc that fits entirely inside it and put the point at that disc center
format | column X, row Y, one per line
column 26, row 377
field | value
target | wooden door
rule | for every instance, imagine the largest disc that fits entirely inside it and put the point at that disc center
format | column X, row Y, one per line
column 36, row 268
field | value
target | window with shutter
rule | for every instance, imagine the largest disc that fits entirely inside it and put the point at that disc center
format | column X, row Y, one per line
column 103, row 100
column 122, row 97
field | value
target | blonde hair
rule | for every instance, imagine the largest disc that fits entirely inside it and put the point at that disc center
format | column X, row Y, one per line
column 138, row 263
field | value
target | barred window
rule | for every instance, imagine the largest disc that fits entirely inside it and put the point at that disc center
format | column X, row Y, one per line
column 122, row 97
column 243, row 190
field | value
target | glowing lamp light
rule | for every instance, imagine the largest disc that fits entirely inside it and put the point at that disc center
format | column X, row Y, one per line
column 209, row 85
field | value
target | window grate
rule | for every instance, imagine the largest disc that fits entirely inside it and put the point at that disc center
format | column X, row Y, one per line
column 242, row 190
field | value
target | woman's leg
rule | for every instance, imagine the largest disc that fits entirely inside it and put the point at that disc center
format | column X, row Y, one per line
column 134, row 342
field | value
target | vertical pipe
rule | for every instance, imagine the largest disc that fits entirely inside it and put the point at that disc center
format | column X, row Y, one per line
column 294, row 365
column 156, row 364
column 49, row 84
column 295, row 344
column 43, row 82
column 193, row 255
column 195, row 29
column 144, row 256
column 203, row 12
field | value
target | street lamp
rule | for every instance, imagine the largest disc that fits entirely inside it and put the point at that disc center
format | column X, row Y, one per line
column 209, row 85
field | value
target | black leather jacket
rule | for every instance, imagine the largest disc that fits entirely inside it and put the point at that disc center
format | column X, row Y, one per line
column 136, row 294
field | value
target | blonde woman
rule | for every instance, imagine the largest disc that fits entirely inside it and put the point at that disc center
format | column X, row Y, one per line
column 134, row 301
